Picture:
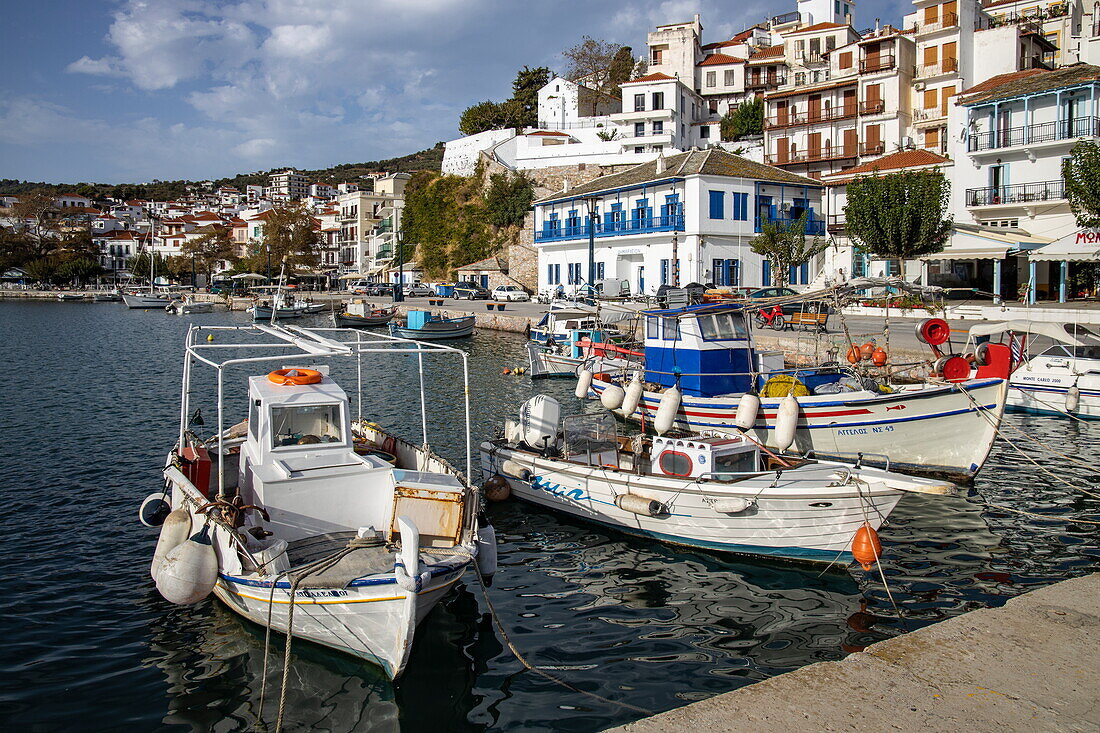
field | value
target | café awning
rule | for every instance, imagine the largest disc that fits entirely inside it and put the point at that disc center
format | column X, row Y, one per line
column 1082, row 245
column 970, row 242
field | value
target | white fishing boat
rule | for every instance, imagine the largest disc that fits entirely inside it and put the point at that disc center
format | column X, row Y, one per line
column 428, row 326
column 188, row 305
column 719, row 493
column 702, row 373
column 110, row 296
column 69, row 295
column 303, row 518
column 145, row 301
column 564, row 338
column 1062, row 379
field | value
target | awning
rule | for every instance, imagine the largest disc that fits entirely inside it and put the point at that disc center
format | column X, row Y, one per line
column 968, row 242
column 1082, row 245
column 351, row 276
column 248, row 276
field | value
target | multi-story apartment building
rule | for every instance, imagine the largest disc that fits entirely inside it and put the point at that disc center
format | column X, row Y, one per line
column 370, row 223
column 685, row 218
column 288, row 185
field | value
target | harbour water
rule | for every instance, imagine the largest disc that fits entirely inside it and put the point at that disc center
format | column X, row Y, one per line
column 91, row 400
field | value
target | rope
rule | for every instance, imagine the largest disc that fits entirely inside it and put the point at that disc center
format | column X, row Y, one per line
column 878, row 560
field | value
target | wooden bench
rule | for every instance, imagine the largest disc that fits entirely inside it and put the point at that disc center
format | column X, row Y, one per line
column 816, row 321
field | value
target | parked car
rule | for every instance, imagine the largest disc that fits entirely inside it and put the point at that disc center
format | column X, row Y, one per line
column 418, row 290
column 510, row 292
column 470, row 291
column 812, row 306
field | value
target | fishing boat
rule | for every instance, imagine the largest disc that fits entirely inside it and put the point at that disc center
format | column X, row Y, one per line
column 1062, row 379
column 361, row 314
column 302, row 517
column 281, row 304
column 425, row 325
column 723, row 493
column 112, row 296
column 71, row 296
column 188, row 305
column 566, row 337
column 702, row 373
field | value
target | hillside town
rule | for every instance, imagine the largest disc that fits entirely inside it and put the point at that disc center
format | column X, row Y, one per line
column 994, row 95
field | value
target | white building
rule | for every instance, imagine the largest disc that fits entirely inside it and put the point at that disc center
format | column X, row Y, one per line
column 288, row 185
column 686, row 218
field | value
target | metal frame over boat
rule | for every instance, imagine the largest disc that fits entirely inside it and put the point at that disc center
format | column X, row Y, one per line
column 303, row 514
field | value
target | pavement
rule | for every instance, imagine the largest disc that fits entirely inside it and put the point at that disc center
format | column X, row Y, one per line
column 1030, row 665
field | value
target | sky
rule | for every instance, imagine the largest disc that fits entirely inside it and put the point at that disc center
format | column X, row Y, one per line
column 114, row 91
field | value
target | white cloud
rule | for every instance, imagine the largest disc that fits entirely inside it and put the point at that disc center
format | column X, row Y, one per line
column 86, row 65
column 255, row 148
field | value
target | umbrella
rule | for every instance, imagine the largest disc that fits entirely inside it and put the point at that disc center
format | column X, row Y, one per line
column 248, row 276
column 352, row 276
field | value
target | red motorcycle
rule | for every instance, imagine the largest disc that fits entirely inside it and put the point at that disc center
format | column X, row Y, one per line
column 772, row 318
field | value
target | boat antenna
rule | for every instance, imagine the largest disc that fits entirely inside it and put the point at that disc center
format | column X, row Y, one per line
column 277, row 297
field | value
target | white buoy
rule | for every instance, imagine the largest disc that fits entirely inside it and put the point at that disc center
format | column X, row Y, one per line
column 666, row 410
column 633, row 396
column 640, row 505
column 173, row 532
column 786, row 422
column 612, row 396
column 1073, row 398
column 734, row 505
column 748, row 407
column 487, row 552
column 584, row 381
column 189, row 571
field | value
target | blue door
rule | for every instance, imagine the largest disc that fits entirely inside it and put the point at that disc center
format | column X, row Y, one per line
column 484, row 281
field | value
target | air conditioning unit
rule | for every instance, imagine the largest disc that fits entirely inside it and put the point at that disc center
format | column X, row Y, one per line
column 906, row 143
column 919, row 86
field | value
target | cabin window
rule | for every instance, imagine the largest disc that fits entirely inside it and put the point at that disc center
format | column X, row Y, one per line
column 651, row 328
column 253, row 419
column 743, row 462
column 671, row 329
column 723, row 326
column 306, row 425
column 674, row 463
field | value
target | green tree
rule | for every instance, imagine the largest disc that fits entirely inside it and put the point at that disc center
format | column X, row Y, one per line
column 1081, row 172
column 36, row 217
column 785, row 245
column 15, row 248
column 138, row 265
column 212, row 247
column 525, row 96
column 899, row 216
column 487, row 115
column 291, row 236
column 79, row 270
column 747, row 119
column 508, row 199
column 42, row 270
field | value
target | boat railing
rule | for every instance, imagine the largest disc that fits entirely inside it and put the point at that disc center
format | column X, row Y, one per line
column 314, row 343
column 832, row 369
column 812, row 454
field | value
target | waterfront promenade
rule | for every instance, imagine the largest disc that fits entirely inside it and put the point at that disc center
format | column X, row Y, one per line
column 1027, row 666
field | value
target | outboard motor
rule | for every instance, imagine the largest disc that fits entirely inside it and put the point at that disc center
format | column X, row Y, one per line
column 538, row 421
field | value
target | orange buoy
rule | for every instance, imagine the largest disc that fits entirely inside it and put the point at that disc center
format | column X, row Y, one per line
column 866, row 548
column 878, row 357
column 853, row 355
column 295, row 376
column 507, row 370
column 866, row 350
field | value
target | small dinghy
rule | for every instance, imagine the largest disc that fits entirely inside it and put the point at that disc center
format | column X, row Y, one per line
column 69, row 296
column 188, row 305
column 323, row 526
column 723, row 493
column 427, row 326
column 361, row 314
column 108, row 297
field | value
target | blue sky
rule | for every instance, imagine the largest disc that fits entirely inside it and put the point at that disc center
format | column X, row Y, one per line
column 133, row 90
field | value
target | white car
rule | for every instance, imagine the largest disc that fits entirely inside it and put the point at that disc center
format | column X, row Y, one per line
column 510, row 292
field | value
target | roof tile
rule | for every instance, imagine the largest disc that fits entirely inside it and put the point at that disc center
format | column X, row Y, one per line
column 1029, row 81
column 716, row 59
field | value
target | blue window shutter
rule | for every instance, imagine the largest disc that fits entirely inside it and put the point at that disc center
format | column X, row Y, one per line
column 767, row 275
column 792, row 275
column 805, row 274
column 716, row 205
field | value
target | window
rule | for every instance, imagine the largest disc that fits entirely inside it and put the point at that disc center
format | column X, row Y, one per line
column 306, row 425
column 639, row 102
column 657, row 56
column 599, row 270
column 664, row 272
column 741, row 206
column 717, row 205
column 729, row 78
column 799, row 78
column 723, row 326
column 254, row 419
column 846, row 60
column 639, row 149
column 712, row 79
column 658, row 127
column 671, row 328
column 553, row 274
column 675, row 463
column 639, row 129
column 658, row 100
column 704, row 132
column 712, row 105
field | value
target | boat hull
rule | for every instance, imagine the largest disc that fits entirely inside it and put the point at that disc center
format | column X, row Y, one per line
column 263, row 313
column 1045, row 393
column 186, row 309
column 935, row 429
column 801, row 519
column 436, row 330
column 346, row 320
column 144, row 302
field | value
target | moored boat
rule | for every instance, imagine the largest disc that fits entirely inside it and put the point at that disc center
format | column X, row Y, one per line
column 722, row 493
column 112, row 296
column 425, row 325
column 361, row 314
column 144, row 301
column 305, row 519
column 71, row 296
column 188, row 305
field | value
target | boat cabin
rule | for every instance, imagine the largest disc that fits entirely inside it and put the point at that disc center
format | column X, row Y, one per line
column 708, row 348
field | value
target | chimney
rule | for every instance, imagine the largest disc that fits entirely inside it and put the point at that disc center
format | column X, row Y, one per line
column 660, row 163
column 565, row 185
column 876, row 26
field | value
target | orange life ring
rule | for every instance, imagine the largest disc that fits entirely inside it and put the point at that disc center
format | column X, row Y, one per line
column 295, row 376
column 389, row 445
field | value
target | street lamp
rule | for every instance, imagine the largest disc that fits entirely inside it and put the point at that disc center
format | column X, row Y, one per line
column 399, row 289
column 592, row 202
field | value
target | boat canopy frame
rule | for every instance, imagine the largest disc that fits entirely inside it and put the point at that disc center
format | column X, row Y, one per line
column 312, row 343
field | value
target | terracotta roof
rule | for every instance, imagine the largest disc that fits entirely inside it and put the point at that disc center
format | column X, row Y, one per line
column 901, row 160
column 771, row 52
column 651, row 77
column 489, row 263
column 811, row 90
column 1029, row 81
column 548, row 132
column 720, row 58
column 711, row 162
column 816, row 27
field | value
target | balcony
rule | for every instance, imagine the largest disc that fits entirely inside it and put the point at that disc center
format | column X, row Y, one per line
column 813, row 155
column 604, row 228
column 944, row 66
column 792, row 119
column 765, row 81
column 930, row 115
column 872, row 107
column 814, row 225
column 1043, row 132
column 785, row 18
column 1022, row 193
column 836, row 223
column 384, row 253
column 872, row 64
column 868, row 149
column 945, row 21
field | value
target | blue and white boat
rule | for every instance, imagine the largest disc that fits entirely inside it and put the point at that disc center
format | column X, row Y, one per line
column 424, row 325
column 704, row 356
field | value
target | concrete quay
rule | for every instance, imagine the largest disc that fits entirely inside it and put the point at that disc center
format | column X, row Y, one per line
column 1030, row 665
